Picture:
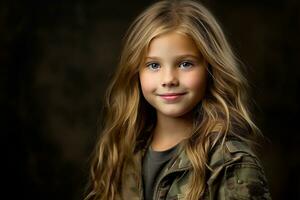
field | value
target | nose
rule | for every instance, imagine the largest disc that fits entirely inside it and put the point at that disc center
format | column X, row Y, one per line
column 169, row 78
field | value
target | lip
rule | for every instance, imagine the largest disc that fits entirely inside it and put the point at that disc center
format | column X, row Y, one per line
column 171, row 96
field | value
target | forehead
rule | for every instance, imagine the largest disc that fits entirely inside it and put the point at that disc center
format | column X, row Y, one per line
column 172, row 43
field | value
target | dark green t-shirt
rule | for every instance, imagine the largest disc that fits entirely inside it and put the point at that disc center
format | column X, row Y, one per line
column 153, row 163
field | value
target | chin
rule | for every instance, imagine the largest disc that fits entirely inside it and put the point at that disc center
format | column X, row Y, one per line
column 173, row 114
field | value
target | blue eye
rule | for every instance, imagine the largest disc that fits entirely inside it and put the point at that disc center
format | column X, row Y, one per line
column 153, row 66
column 186, row 65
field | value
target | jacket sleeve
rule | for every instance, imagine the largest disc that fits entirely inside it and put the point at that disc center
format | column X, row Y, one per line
column 245, row 180
column 237, row 174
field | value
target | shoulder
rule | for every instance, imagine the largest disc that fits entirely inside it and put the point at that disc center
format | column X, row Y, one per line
column 236, row 172
column 229, row 152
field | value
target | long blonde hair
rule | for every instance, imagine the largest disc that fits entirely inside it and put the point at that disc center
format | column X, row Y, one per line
column 222, row 112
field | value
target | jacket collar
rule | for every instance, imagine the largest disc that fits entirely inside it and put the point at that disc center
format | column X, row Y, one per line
column 181, row 161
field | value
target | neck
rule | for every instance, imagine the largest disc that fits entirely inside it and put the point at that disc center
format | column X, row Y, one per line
column 170, row 131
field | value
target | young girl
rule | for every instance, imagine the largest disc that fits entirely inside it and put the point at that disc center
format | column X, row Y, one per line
column 177, row 124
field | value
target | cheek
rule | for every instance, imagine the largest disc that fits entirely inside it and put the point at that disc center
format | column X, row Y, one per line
column 147, row 83
column 196, row 81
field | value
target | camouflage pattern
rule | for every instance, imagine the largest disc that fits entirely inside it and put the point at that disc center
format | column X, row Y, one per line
column 236, row 174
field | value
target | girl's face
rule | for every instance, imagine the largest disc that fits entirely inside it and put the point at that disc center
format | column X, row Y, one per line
column 173, row 75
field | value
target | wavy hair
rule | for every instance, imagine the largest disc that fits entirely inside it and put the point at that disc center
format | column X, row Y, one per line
column 222, row 112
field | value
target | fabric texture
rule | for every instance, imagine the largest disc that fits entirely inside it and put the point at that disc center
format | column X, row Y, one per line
column 153, row 164
column 236, row 174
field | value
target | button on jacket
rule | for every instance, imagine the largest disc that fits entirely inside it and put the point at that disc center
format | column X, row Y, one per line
column 236, row 174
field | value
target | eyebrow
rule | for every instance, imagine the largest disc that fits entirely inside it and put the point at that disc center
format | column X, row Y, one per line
column 177, row 57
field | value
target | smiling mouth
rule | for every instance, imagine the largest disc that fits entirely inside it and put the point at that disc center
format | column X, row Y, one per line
column 171, row 96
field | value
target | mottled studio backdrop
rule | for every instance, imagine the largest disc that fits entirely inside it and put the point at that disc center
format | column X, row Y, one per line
column 57, row 56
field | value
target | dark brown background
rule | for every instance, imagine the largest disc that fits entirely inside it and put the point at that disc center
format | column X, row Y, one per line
column 56, row 59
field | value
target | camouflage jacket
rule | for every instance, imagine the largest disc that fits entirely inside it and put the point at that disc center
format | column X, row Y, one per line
column 236, row 174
